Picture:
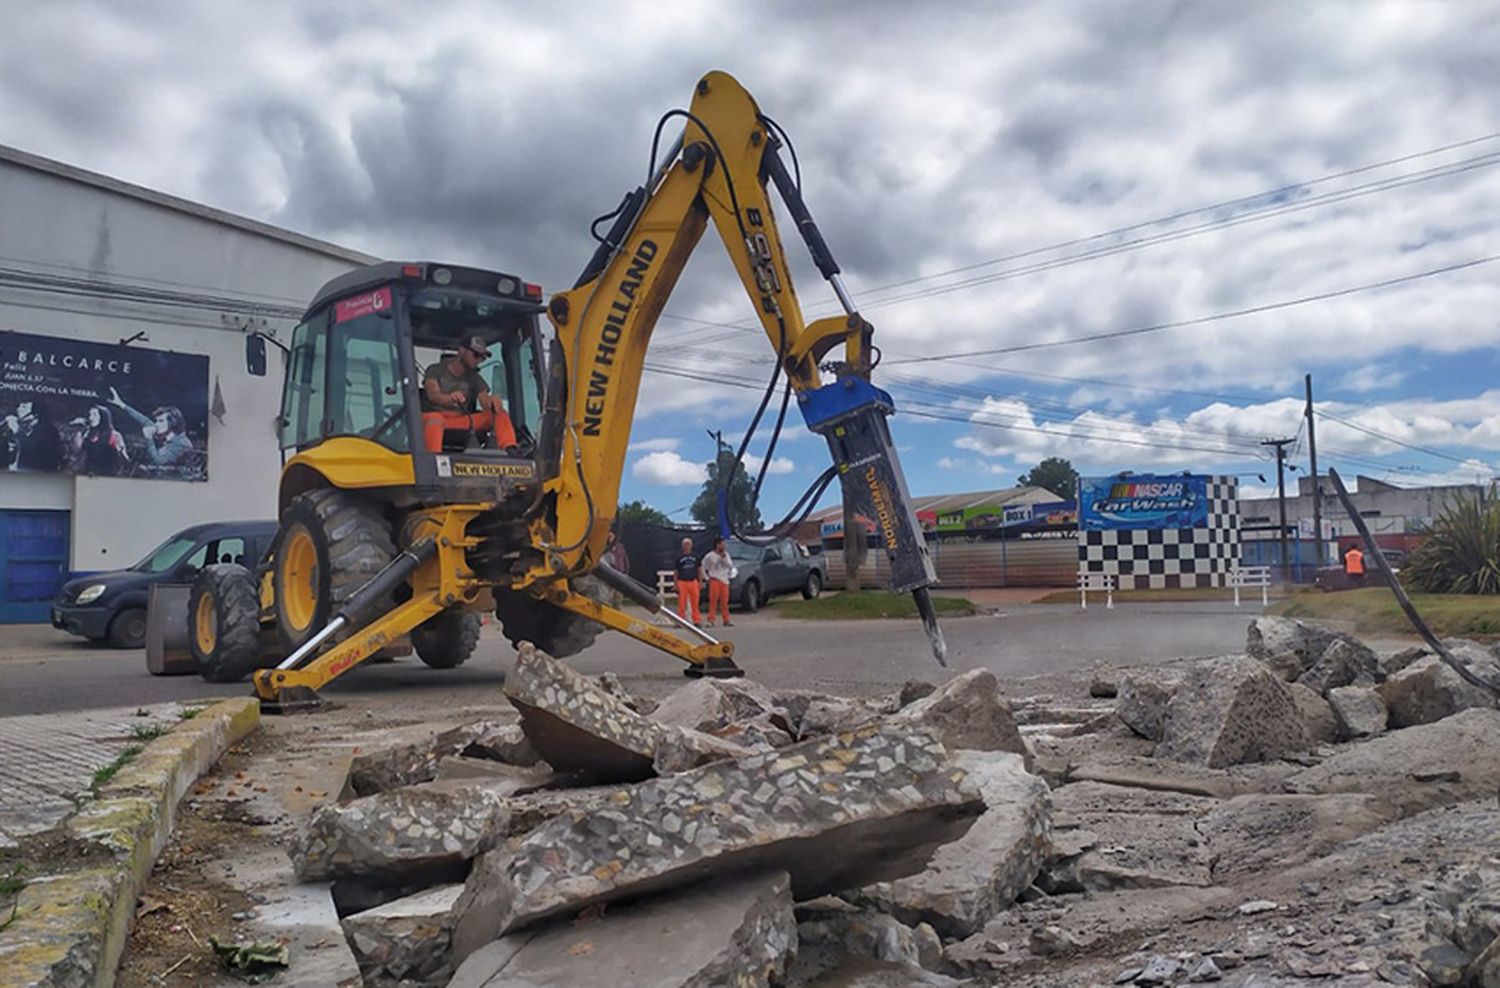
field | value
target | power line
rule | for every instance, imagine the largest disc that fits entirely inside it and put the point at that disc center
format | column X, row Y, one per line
column 1204, row 320
column 1274, row 208
column 1389, row 438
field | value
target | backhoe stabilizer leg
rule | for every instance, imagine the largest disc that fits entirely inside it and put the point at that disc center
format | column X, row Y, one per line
column 711, row 658
column 282, row 690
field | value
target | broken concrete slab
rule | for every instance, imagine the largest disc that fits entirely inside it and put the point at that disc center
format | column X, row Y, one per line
column 1318, row 722
column 967, row 712
column 1250, row 835
column 1429, row 690
column 585, row 731
column 409, row 755
column 1359, row 712
column 711, row 705
column 865, row 973
column 823, row 715
column 1288, row 646
column 738, row 932
column 1140, row 839
column 503, row 743
column 977, row 876
column 405, row 941
column 1480, row 661
column 1345, row 662
column 461, row 767
column 1396, row 661
column 836, row 813
column 1418, row 768
column 1230, row 712
column 830, row 931
column 1142, row 696
column 430, row 826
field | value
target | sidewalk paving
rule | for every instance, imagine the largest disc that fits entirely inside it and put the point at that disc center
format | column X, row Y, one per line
column 46, row 760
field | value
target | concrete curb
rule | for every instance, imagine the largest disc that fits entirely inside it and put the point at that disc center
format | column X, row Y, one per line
column 70, row 928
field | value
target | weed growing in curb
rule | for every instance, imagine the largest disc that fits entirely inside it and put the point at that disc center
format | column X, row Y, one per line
column 11, row 885
column 148, row 732
column 188, row 713
column 108, row 772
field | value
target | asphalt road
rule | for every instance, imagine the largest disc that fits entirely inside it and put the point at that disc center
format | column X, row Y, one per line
column 43, row 671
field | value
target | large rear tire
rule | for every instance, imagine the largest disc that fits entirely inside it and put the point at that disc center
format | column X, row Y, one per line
column 555, row 631
column 332, row 542
column 447, row 640
column 224, row 623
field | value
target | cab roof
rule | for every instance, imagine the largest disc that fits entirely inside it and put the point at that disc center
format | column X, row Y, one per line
column 420, row 273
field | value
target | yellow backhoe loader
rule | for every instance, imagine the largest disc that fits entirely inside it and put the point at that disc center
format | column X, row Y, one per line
column 406, row 510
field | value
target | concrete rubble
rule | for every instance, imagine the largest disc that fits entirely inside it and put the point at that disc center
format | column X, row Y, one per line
column 1230, row 712
column 1257, row 819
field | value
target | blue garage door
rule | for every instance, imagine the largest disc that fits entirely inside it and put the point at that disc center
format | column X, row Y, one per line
column 33, row 562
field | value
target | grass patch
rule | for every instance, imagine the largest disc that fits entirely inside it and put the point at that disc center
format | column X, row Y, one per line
column 867, row 604
column 188, row 713
column 1374, row 610
column 10, row 888
column 109, row 771
column 148, row 732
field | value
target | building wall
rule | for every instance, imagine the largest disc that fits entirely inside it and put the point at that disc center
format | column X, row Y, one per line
column 54, row 221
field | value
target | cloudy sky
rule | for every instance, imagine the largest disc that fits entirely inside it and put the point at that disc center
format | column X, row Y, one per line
column 1119, row 232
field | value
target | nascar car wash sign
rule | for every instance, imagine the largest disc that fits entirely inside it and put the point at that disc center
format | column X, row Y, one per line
column 1143, row 501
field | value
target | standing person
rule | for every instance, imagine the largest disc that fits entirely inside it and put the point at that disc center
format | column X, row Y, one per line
column 34, row 442
column 687, row 582
column 614, row 552
column 101, row 448
column 719, row 569
column 455, row 396
column 167, row 442
column 1354, row 566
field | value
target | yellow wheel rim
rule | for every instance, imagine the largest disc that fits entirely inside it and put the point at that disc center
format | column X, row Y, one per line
column 204, row 625
column 299, row 579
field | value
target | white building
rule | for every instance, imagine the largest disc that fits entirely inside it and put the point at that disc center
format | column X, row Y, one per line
column 88, row 260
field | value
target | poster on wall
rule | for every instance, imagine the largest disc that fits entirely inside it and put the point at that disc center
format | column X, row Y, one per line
column 75, row 407
column 1143, row 501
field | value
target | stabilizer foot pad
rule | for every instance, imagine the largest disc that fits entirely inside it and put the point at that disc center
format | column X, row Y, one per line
column 295, row 700
column 714, row 669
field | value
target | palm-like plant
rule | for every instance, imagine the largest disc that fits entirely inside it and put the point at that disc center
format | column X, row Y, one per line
column 1461, row 553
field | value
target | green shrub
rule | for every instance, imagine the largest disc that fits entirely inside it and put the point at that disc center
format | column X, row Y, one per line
column 1461, row 553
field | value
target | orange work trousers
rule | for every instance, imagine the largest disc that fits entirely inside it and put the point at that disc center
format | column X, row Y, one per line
column 718, row 600
column 434, row 424
column 687, row 592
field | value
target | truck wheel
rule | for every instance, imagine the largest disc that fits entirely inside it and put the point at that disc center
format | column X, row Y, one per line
column 555, row 631
column 224, row 623
column 813, row 586
column 446, row 640
column 332, row 543
column 128, row 628
column 750, row 596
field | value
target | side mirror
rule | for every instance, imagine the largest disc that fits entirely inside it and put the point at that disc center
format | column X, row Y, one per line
column 255, row 355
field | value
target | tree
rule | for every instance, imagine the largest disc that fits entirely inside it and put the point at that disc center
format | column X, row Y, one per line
column 1055, row 474
column 639, row 512
column 742, row 510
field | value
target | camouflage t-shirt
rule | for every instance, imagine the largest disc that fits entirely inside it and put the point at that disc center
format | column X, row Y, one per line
column 469, row 382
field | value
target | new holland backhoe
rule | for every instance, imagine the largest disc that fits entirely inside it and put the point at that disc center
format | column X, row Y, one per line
column 399, row 518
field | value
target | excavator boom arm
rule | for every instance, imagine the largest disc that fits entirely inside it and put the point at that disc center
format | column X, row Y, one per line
column 719, row 173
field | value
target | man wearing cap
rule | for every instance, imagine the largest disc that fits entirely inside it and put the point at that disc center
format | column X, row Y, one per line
column 456, row 397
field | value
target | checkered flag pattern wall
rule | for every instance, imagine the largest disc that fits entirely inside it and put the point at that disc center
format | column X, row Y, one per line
column 1167, row 558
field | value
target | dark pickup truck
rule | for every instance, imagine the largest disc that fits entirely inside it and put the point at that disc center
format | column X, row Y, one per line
column 784, row 567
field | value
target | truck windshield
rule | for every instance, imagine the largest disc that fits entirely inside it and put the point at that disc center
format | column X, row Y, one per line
column 744, row 553
column 166, row 555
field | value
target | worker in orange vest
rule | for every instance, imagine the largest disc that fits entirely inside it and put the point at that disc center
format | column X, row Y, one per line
column 1354, row 566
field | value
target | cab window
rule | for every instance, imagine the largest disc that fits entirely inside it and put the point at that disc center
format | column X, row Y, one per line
column 302, row 402
column 364, row 373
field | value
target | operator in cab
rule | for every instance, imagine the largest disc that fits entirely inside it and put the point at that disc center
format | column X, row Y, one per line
column 456, row 398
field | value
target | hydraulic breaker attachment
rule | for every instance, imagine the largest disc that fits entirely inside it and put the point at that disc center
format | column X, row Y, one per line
column 710, row 658
column 851, row 415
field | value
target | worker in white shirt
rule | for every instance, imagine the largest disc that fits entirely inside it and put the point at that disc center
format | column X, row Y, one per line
column 719, row 569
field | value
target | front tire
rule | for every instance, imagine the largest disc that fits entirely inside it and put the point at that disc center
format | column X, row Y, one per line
column 813, row 586
column 224, row 623
column 128, row 628
column 447, row 640
column 750, row 598
column 332, row 543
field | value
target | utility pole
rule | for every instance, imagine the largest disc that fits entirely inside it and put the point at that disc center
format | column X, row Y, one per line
column 1312, row 456
column 1281, row 445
